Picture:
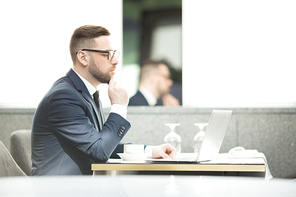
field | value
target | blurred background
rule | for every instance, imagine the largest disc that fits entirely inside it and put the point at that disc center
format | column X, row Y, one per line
column 152, row 29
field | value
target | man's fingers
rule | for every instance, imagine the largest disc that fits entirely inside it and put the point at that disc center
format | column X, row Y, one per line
column 173, row 153
column 117, row 94
column 170, row 150
column 158, row 153
column 165, row 156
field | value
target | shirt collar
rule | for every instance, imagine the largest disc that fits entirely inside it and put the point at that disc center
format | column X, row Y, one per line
column 91, row 89
column 148, row 95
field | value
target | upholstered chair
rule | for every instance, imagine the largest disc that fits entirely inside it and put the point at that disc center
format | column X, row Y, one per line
column 8, row 167
column 20, row 149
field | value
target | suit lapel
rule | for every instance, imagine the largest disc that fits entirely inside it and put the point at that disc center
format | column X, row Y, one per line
column 79, row 85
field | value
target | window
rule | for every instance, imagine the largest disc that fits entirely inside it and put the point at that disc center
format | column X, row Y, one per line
column 239, row 53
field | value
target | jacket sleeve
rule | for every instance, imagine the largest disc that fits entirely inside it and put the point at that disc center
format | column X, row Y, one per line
column 71, row 118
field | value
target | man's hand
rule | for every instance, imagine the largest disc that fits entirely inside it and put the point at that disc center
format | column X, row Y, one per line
column 165, row 151
column 170, row 100
column 117, row 94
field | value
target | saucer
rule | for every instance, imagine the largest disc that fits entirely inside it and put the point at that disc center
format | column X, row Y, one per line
column 133, row 156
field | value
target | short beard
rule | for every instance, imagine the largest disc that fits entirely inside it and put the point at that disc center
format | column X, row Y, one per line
column 97, row 73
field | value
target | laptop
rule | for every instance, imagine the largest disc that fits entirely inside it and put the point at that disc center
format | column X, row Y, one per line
column 212, row 141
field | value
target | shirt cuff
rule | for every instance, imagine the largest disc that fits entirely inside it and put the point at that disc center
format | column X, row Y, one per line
column 119, row 109
column 148, row 150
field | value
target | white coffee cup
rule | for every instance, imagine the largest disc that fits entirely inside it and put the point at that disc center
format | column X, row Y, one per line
column 133, row 148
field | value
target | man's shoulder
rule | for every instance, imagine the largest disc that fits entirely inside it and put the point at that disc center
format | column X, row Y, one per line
column 63, row 83
column 138, row 99
column 61, row 89
column 138, row 94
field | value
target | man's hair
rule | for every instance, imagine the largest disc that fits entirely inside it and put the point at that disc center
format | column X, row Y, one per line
column 83, row 37
column 149, row 67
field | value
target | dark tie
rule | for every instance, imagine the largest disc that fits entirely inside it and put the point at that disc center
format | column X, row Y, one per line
column 97, row 102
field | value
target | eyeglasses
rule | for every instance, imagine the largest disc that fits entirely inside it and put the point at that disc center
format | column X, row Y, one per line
column 111, row 54
column 165, row 76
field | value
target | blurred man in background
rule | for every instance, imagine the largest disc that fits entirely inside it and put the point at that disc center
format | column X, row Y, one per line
column 154, row 86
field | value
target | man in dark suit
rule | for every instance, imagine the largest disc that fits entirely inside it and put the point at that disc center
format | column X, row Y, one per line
column 154, row 86
column 69, row 131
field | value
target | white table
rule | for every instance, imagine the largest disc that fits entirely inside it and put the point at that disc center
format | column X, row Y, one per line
column 74, row 186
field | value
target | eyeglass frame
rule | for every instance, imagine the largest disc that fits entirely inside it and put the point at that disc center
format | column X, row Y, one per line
column 165, row 76
column 102, row 51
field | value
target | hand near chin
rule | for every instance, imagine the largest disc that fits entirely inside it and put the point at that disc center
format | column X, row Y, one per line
column 164, row 151
column 170, row 100
column 117, row 94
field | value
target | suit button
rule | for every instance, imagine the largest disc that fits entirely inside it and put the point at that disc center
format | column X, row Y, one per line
column 121, row 131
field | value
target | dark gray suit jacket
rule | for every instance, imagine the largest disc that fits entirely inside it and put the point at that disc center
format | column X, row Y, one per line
column 139, row 100
column 66, row 137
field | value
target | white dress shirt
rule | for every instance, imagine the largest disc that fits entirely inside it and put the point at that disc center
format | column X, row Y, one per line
column 148, row 96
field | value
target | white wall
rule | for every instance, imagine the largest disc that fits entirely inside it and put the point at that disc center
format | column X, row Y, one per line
column 35, row 36
column 239, row 53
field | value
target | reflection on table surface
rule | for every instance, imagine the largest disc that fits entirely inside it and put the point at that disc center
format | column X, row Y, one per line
column 145, row 186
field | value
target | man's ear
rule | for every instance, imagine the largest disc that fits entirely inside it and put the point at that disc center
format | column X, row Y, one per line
column 82, row 58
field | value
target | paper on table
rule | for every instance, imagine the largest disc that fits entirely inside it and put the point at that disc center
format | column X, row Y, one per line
column 240, row 158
